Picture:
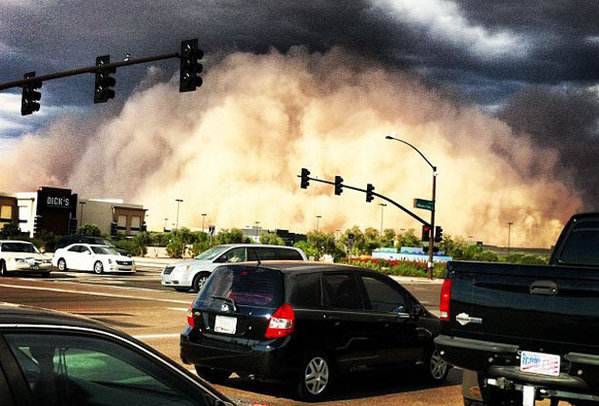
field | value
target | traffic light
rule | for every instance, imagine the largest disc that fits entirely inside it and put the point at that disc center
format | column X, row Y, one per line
column 426, row 232
column 72, row 226
column 369, row 190
column 37, row 225
column 338, row 185
column 113, row 229
column 189, row 73
column 144, row 227
column 103, row 90
column 305, row 178
column 30, row 97
column 438, row 234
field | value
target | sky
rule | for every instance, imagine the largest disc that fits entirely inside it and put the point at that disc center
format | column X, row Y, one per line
column 502, row 97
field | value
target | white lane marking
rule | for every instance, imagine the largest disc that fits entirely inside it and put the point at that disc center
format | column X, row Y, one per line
column 165, row 335
column 94, row 293
column 181, row 309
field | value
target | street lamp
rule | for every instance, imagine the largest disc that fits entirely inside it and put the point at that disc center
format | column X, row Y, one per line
column 203, row 217
column 179, row 201
column 383, row 205
column 256, row 233
column 318, row 222
column 432, row 237
column 509, row 230
column 81, row 219
column 165, row 223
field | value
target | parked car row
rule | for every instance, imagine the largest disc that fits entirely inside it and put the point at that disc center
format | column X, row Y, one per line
column 23, row 256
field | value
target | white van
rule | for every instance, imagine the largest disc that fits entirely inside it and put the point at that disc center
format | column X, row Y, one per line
column 193, row 274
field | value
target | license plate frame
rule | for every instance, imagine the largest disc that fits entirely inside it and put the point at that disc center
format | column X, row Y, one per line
column 540, row 363
column 225, row 324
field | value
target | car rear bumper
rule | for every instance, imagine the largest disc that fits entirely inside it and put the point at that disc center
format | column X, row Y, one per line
column 25, row 267
column 578, row 372
column 270, row 359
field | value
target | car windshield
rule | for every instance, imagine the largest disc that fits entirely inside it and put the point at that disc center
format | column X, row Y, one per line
column 18, row 247
column 104, row 250
column 102, row 241
column 211, row 253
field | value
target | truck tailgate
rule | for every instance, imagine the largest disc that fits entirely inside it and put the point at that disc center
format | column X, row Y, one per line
column 541, row 308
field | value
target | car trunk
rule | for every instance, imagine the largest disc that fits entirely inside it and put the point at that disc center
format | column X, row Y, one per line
column 237, row 302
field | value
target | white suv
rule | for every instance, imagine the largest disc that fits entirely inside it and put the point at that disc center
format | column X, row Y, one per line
column 22, row 256
column 193, row 274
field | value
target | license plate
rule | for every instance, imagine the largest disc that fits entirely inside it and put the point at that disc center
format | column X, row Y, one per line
column 539, row 363
column 35, row 267
column 224, row 324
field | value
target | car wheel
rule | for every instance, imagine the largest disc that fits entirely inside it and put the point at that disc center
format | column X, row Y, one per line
column 62, row 265
column 2, row 268
column 435, row 367
column 199, row 281
column 314, row 378
column 98, row 267
column 213, row 375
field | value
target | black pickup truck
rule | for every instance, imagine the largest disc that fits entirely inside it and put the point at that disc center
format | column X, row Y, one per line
column 524, row 333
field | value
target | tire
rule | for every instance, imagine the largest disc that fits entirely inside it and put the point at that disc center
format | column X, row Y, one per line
column 3, row 271
column 99, row 267
column 471, row 402
column 199, row 281
column 62, row 265
column 213, row 375
column 435, row 368
column 314, row 380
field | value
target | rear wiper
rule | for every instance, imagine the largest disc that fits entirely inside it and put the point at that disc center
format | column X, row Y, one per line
column 226, row 299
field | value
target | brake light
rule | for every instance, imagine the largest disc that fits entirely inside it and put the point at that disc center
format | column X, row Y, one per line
column 281, row 322
column 190, row 316
column 445, row 298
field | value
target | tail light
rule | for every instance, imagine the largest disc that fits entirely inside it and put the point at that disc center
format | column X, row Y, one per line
column 445, row 297
column 190, row 316
column 281, row 322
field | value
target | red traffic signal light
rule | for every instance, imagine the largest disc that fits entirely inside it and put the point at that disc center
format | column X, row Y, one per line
column 426, row 232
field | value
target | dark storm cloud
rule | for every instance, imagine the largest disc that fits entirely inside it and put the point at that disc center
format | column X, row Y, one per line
column 567, row 121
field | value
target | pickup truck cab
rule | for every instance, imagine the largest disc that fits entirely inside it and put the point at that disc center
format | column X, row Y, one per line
column 524, row 333
column 22, row 256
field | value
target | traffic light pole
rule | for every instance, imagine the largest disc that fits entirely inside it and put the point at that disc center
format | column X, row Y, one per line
column 431, row 243
column 90, row 69
column 421, row 220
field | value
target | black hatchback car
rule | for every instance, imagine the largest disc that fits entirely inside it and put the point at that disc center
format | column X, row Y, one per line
column 55, row 359
column 306, row 324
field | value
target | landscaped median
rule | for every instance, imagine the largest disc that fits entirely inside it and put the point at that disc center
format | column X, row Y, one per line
column 399, row 267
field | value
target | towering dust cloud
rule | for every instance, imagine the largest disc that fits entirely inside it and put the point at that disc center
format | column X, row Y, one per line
column 233, row 149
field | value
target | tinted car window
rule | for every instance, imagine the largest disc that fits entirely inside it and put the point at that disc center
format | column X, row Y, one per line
column 75, row 248
column 233, row 255
column 382, row 296
column 342, row 291
column 289, row 255
column 246, row 285
column 18, row 247
column 305, row 290
column 582, row 245
column 76, row 370
column 265, row 253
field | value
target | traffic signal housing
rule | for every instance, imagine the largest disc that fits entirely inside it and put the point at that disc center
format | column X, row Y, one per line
column 338, row 185
column 191, row 67
column 426, row 232
column 305, row 175
column 369, row 192
column 113, row 229
column 72, row 226
column 438, row 234
column 103, row 90
column 31, row 96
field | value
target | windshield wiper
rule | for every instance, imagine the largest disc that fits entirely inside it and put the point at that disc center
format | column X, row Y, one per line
column 226, row 299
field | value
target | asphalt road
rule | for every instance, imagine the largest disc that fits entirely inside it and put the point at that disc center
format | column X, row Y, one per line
column 139, row 305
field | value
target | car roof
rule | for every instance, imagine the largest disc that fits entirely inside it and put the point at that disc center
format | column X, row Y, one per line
column 303, row 266
column 250, row 244
column 20, row 314
column 21, row 241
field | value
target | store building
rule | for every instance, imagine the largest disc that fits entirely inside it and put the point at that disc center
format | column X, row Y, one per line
column 112, row 216
column 9, row 210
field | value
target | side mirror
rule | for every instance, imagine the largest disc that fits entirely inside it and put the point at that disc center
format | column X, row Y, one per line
column 402, row 312
column 416, row 311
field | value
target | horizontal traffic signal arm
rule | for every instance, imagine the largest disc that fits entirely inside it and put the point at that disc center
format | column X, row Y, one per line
column 385, row 198
column 89, row 69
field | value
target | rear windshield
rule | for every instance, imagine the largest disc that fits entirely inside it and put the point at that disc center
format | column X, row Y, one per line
column 245, row 285
column 582, row 245
column 18, row 247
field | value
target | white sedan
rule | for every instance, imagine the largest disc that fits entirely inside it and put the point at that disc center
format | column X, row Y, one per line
column 92, row 257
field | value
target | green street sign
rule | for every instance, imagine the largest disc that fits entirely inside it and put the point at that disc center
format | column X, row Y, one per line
column 424, row 204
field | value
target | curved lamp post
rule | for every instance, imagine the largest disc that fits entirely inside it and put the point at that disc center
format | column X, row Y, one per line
column 431, row 237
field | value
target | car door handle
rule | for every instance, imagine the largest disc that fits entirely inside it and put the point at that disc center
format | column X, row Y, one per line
column 545, row 288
